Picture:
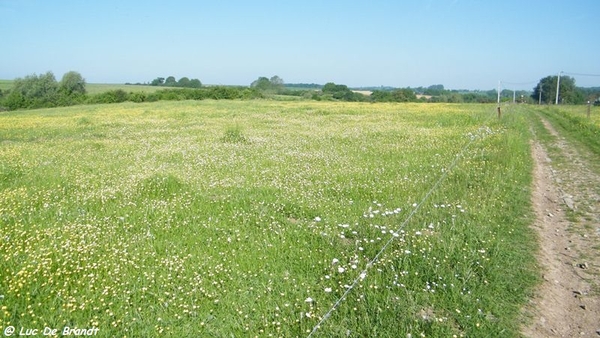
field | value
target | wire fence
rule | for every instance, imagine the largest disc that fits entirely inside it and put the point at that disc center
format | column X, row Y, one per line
column 363, row 274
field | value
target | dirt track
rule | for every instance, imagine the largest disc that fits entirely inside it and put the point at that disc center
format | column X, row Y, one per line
column 566, row 199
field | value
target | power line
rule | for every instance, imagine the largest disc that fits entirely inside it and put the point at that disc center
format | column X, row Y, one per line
column 581, row 74
column 520, row 83
column 512, row 86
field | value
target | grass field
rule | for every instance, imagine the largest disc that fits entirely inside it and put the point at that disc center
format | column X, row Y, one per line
column 252, row 218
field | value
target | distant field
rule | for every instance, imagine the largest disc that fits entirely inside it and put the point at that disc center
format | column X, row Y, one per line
column 96, row 88
column 5, row 84
column 252, row 218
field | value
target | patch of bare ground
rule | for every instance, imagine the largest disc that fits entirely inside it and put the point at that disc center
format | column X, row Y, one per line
column 566, row 199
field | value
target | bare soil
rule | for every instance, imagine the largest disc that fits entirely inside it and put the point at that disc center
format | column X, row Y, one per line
column 566, row 199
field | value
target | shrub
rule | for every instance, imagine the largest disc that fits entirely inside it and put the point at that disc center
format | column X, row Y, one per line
column 111, row 96
column 137, row 97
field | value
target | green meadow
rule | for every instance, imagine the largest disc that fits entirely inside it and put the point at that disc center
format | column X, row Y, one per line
column 254, row 218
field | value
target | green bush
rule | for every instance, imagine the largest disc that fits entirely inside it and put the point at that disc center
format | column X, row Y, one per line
column 111, row 96
column 137, row 97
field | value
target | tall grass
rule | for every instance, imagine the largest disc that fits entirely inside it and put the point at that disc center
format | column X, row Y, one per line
column 148, row 219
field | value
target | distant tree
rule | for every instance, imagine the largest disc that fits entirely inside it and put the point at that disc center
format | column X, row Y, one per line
column 381, row 96
column 262, row 83
column 170, row 81
column 434, row 90
column 546, row 88
column 331, row 87
column 72, row 83
column 591, row 93
column 265, row 85
column 276, row 82
column 453, row 98
column 159, row 81
column 183, row 82
column 568, row 92
column 478, row 98
column 195, row 83
column 404, row 95
column 398, row 95
column 304, row 85
column 341, row 92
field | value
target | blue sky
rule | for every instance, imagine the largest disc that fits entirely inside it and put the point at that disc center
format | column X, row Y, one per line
column 461, row 44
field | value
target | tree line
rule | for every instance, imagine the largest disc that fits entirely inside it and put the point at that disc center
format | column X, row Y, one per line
column 170, row 81
column 41, row 91
column 44, row 91
column 177, row 94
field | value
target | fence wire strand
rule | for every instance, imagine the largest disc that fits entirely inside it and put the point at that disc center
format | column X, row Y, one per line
column 363, row 273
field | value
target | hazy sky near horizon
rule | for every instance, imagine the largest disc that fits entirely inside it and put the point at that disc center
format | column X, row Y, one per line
column 462, row 44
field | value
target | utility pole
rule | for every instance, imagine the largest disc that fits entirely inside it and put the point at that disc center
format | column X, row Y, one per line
column 540, row 98
column 514, row 92
column 499, row 93
column 557, row 86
